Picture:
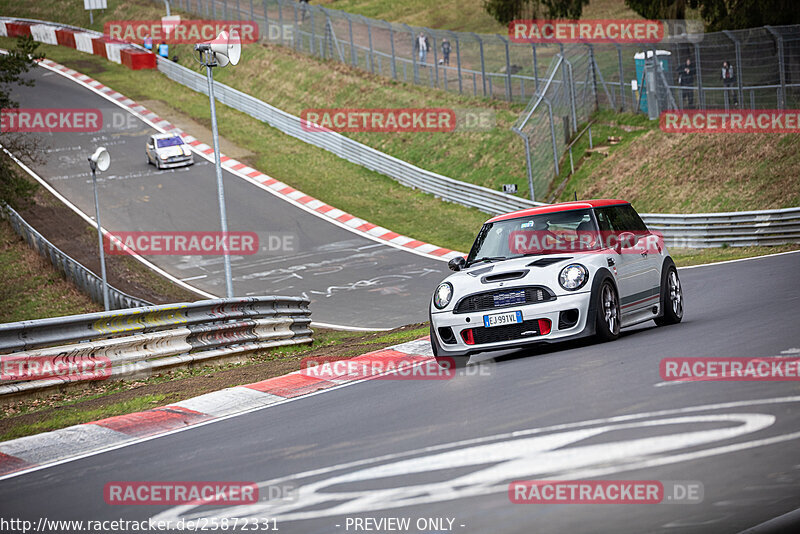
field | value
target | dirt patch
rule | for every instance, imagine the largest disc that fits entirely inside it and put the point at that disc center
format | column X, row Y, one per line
column 69, row 232
column 176, row 386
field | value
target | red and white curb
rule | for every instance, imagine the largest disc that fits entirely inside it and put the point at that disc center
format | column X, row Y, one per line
column 32, row 452
column 281, row 190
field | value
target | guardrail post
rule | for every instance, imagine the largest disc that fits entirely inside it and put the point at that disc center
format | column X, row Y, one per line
column 781, row 66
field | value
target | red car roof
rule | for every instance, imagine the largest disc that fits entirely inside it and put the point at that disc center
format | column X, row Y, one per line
column 563, row 206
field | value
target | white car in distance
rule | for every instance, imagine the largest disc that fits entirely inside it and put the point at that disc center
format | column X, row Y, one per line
column 167, row 151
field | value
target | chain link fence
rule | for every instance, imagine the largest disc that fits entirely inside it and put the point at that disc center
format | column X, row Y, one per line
column 563, row 84
column 766, row 60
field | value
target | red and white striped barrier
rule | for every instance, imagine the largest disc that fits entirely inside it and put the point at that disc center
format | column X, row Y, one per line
column 88, row 42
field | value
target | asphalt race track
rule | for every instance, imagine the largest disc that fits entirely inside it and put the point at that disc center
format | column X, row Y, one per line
column 448, row 449
column 378, row 285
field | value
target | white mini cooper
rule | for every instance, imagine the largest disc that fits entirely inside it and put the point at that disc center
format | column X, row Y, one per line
column 554, row 273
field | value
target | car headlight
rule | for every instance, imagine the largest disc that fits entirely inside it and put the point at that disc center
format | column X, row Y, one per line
column 573, row 276
column 442, row 295
column 163, row 156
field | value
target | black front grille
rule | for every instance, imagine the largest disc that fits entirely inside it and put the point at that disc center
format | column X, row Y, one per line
column 506, row 333
column 504, row 298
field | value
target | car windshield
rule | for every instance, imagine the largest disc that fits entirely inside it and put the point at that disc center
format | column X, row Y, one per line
column 169, row 141
column 546, row 233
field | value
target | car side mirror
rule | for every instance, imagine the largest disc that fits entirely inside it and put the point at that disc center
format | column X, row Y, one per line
column 625, row 240
column 457, row 263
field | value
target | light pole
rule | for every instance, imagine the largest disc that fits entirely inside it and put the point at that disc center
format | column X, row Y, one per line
column 99, row 161
column 218, row 53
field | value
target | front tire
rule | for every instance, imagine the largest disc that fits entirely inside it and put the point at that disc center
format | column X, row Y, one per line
column 671, row 298
column 607, row 315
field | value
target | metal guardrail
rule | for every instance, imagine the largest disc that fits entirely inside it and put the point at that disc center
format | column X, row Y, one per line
column 86, row 280
column 139, row 341
column 743, row 228
column 769, row 227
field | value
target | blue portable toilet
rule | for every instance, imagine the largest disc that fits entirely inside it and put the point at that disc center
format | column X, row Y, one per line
column 663, row 58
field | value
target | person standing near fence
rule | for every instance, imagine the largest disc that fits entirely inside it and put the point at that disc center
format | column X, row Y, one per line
column 445, row 51
column 686, row 75
column 422, row 45
column 728, row 79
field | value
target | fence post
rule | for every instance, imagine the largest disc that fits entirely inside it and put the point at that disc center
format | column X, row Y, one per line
column 313, row 30
column 353, row 56
column 483, row 62
column 701, row 94
column 252, row 14
column 781, row 65
column 394, row 59
column 593, row 66
column 733, row 38
column 435, row 61
column 458, row 61
column 225, row 9
column 552, row 135
column 527, row 160
column 508, row 68
column 414, row 64
column 266, row 21
column 621, row 78
column 371, row 50
column 238, row 11
column 535, row 69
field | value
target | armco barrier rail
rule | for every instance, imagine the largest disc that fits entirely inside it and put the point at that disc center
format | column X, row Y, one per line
column 87, row 282
column 740, row 229
column 138, row 341
column 769, row 227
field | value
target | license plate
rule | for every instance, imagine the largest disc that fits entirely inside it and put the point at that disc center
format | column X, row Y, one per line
column 501, row 319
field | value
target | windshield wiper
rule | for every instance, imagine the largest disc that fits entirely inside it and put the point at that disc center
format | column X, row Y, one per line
column 488, row 258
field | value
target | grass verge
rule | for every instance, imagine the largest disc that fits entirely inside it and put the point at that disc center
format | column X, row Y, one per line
column 97, row 400
column 30, row 288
